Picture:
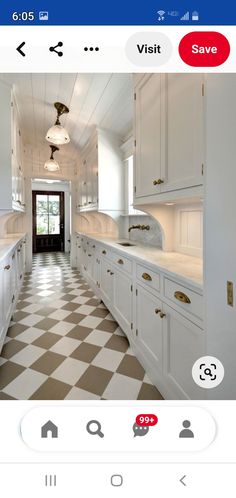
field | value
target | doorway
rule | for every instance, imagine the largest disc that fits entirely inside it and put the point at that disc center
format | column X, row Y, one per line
column 48, row 221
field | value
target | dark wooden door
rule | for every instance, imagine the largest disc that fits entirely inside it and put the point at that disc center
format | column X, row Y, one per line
column 48, row 221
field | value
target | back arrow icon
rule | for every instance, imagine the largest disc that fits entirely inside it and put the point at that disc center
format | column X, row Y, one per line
column 19, row 49
column 182, row 481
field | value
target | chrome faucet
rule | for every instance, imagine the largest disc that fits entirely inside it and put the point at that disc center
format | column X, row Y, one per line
column 139, row 227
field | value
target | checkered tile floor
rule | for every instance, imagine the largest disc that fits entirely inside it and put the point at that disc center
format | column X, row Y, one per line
column 64, row 344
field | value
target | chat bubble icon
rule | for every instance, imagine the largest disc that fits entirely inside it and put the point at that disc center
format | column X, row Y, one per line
column 140, row 430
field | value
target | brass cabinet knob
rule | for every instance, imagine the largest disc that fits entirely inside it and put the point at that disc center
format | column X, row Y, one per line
column 183, row 298
column 89, row 255
column 158, row 182
column 94, row 247
column 7, row 267
column 111, row 273
column 157, row 311
column 108, row 271
column 120, row 261
column 146, row 276
column 104, row 252
column 162, row 315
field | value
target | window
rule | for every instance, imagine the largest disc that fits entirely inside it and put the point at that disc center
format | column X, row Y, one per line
column 47, row 214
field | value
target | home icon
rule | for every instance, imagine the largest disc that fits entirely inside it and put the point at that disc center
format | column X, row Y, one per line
column 49, row 430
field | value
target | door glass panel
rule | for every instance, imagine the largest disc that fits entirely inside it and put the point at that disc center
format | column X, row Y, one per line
column 54, row 225
column 42, row 204
column 54, row 204
column 47, row 214
column 42, row 224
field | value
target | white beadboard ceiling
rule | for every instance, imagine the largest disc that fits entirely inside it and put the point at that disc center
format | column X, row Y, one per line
column 103, row 100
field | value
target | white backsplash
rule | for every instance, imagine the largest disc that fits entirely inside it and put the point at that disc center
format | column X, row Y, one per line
column 151, row 237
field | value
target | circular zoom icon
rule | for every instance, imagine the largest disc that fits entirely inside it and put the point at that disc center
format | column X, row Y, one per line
column 208, row 372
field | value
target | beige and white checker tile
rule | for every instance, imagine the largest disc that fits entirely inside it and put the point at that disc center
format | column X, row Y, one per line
column 63, row 343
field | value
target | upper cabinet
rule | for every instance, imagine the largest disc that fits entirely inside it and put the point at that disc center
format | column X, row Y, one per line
column 12, row 192
column 168, row 134
column 101, row 174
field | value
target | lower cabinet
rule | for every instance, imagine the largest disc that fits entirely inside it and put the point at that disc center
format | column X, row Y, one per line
column 148, row 327
column 123, row 301
column 166, row 341
column 11, row 276
column 106, row 281
column 183, row 345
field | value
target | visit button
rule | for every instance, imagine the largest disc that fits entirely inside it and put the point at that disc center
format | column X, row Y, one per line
column 204, row 48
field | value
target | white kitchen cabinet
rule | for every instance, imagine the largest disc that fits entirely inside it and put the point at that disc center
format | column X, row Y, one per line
column 12, row 192
column 149, row 329
column 183, row 165
column 169, row 121
column 148, row 122
column 9, row 284
column 123, row 301
column 164, row 330
column 183, row 345
column 101, row 174
column 2, row 318
column 12, row 269
column 106, row 281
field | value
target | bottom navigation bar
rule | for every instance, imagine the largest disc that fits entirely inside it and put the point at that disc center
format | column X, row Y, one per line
column 122, row 480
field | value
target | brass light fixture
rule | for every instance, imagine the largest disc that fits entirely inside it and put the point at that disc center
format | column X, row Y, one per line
column 58, row 135
column 52, row 165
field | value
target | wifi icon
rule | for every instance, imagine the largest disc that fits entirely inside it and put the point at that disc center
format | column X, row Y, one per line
column 161, row 14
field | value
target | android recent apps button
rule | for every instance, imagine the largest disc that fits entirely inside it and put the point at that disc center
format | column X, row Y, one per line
column 148, row 49
column 204, row 48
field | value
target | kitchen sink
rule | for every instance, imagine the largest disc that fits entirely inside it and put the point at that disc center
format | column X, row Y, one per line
column 126, row 244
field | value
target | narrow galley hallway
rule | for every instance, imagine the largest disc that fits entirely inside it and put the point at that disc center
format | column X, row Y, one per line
column 63, row 343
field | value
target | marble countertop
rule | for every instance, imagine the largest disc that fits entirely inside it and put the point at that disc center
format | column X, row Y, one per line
column 187, row 268
column 8, row 243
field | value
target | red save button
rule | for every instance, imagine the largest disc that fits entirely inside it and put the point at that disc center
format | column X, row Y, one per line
column 204, row 48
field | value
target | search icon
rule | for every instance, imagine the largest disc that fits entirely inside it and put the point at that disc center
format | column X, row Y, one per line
column 94, row 428
column 208, row 371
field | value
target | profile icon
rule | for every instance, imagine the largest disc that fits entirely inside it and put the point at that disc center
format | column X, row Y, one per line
column 186, row 432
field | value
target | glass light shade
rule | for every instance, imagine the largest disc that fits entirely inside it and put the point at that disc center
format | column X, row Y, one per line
column 57, row 135
column 52, row 165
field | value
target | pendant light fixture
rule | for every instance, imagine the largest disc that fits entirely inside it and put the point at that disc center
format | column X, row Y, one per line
column 52, row 165
column 57, row 134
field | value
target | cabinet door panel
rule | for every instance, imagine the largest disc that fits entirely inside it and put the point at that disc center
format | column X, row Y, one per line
column 106, row 280
column 149, row 326
column 183, row 345
column 184, row 131
column 123, row 298
column 148, row 135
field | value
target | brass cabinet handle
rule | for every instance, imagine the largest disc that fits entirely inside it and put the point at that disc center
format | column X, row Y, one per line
column 111, row 273
column 7, row 267
column 13, row 298
column 162, row 315
column 18, row 250
column 158, row 182
column 104, row 252
column 183, row 298
column 89, row 255
column 146, row 276
column 157, row 311
column 120, row 261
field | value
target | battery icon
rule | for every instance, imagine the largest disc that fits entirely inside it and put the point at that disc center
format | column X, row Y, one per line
column 195, row 16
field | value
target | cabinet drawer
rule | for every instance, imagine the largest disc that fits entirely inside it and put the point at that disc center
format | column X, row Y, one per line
column 184, row 298
column 148, row 277
column 123, row 263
